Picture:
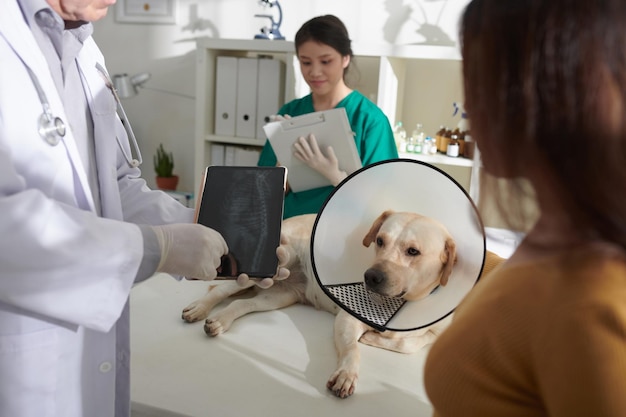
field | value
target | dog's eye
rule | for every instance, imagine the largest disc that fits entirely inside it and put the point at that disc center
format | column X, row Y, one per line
column 379, row 241
column 413, row 252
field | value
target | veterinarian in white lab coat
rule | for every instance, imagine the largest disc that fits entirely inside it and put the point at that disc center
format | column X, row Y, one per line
column 71, row 202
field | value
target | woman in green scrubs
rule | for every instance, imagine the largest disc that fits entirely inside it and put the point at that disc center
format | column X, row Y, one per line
column 324, row 51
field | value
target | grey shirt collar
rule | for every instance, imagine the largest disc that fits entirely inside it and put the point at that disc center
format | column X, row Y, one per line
column 39, row 13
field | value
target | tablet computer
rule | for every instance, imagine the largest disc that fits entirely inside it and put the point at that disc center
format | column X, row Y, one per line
column 245, row 204
column 331, row 128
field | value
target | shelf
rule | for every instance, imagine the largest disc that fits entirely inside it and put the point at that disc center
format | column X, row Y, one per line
column 439, row 159
column 410, row 83
column 231, row 140
column 253, row 45
column 445, row 53
column 395, row 51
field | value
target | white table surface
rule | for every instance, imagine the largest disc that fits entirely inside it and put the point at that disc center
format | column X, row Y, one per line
column 272, row 363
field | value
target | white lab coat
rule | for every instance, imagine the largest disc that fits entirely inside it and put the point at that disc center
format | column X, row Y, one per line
column 65, row 273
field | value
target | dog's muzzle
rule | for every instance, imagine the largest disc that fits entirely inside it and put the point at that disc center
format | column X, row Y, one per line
column 376, row 285
column 374, row 278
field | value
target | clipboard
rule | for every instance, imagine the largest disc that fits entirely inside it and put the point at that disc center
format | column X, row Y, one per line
column 331, row 128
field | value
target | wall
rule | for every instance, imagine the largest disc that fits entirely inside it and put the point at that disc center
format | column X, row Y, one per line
column 167, row 52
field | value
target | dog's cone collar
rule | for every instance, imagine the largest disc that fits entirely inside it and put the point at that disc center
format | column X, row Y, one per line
column 339, row 258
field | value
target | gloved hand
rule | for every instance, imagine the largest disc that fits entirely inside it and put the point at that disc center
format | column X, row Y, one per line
column 309, row 152
column 283, row 259
column 279, row 117
column 190, row 250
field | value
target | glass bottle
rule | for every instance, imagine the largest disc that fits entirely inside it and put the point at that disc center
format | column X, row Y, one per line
column 410, row 145
column 399, row 134
column 428, row 143
column 453, row 147
column 438, row 136
column 433, row 147
column 461, row 139
column 468, row 151
column 445, row 139
column 417, row 137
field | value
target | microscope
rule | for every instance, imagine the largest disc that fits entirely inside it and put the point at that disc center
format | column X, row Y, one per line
column 272, row 32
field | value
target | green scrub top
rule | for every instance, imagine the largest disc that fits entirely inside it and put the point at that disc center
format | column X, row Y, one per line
column 373, row 137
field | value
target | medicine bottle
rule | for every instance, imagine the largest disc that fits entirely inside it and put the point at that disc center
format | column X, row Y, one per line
column 410, row 144
column 417, row 138
column 453, row 147
column 428, row 144
column 433, row 147
column 461, row 139
column 438, row 135
column 399, row 134
column 445, row 139
column 468, row 151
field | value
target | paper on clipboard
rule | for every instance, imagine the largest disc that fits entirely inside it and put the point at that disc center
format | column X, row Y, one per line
column 330, row 127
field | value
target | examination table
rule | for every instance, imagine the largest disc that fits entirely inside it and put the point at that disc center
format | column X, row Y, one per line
column 273, row 363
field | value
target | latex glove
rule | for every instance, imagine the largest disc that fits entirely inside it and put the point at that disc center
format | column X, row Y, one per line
column 283, row 259
column 191, row 250
column 308, row 151
column 279, row 117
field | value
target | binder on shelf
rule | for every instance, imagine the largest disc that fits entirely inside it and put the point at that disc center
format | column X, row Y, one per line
column 229, row 156
column 270, row 92
column 246, row 156
column 225, row 95
column 217, row 154
column 247, row 73
column 241, row 156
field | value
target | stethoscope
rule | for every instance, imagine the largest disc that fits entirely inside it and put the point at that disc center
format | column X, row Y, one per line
column 133, row 162
column 52, row 129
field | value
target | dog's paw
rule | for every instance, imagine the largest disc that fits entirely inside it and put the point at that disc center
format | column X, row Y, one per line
column 342, row 383
column 195, row 311
column 213, row 327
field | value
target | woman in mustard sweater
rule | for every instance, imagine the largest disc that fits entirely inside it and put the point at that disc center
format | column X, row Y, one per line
column 545, row 333
column 324, row 52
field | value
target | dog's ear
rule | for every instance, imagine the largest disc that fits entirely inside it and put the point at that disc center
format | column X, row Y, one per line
column 448, row 258
column 371, row 235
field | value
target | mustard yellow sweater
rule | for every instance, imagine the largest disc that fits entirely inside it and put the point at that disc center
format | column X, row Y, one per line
column 546, row 338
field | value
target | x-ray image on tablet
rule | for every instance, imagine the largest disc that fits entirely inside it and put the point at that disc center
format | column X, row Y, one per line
column 245, row 204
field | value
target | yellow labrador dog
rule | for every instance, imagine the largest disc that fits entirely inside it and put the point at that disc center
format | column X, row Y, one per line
column 413, row 255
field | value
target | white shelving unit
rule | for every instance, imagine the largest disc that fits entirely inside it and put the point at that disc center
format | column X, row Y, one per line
column 411, row 83
column 206, row 57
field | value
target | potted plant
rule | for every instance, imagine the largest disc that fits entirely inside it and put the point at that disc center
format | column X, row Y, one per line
column 164, row 168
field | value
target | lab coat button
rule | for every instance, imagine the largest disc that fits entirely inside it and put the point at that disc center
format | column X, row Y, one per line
column 105, row 367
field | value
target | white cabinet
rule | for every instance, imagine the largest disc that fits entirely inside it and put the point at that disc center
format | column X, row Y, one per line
column 410, row 83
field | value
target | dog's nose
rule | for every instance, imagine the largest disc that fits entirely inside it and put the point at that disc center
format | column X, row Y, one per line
column 373, row 277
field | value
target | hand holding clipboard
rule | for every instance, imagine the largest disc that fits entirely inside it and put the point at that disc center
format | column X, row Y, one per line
column 308, row 151
column 330, row 128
